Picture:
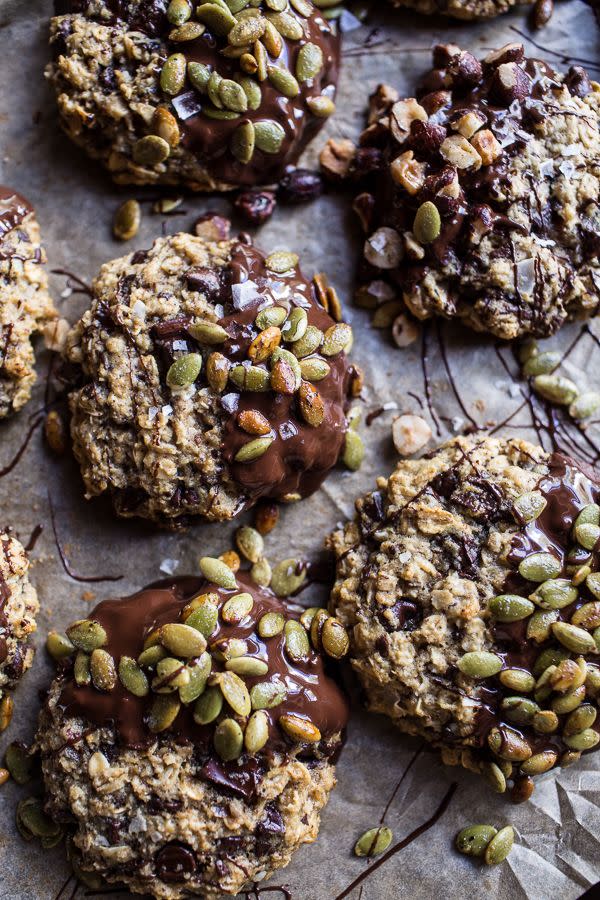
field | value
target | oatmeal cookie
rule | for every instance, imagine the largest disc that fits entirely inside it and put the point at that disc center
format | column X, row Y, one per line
column 25, row 305
column 470, row 584
column 184, row 94
column 483, row 205
column 203, row 766
column 18, row 609
column 460, row 9
column 210, row 377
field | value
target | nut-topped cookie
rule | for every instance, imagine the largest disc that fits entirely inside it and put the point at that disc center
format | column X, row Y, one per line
column 459, row 9
column 484, row 202
column 25, row 305
column 211, row 375
column 18, row 609
column 470, row 585
column 209, row 96
column 190, row 737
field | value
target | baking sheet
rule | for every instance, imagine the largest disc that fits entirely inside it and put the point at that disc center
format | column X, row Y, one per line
column 557, row 852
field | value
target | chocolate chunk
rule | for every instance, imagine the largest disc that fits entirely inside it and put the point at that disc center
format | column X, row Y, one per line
column 174, row 861
column 241, row 779
column 203, row 280
column 578, row 82
column 270, row 827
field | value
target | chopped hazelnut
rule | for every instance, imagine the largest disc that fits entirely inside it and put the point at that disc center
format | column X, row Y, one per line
column 402, row 114
column 336, row 158
column 459, row 152
column 410, row 433
column 55, row 334
column 408, row 172
column 469, row 123
column 380, row 101
column 212, row 227
column 487, row 146
column 405, row 331
column 384, row 248
column 414, row 250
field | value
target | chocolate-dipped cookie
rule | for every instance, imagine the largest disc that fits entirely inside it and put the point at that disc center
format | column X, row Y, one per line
column 484, row 202
column 189, row 740
column 207, row 96
column 470, row 585
column 210, row 376
column 25, row 305
column 18, row 609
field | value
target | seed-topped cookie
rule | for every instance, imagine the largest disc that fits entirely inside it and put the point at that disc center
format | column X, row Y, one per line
column 25, row 305
column 18, row 609
column 470, row 585
column 208, row 95
column 483, row 205
column 459, row 9
column 191, row 734
column 210, row 376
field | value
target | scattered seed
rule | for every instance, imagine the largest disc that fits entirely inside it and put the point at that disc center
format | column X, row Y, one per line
column 6, row 711
column 539, row 566
column 500, row 846
column 427, row 224
column 374, row 841
column 337, row 338
column 198, row 670
column 495, row 777
column 269, row 136
column 585, row 405
column 555, row 594
column 209, row 333
column 85, row 634
column 510, row 608
column 228, row 740
column 314, row 369
column 19, row 762
column 235, row 692
column 556, row 389
column 322, row 107
column 334, row 638
column 574, row 638
column 267, row 694
column 103, row 670
column 250, row 378
column 150, row 150
column 217, row 573
column 288, row 576
column 309, row 62
column 542, row 363
column 127, row 220
column 59, row 646
column 243, row 141
column 529, row 506
column 474, row 839
column 261, row 573
column 354, row 450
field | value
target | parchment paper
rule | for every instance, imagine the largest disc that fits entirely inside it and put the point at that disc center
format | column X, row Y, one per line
column 557, row 853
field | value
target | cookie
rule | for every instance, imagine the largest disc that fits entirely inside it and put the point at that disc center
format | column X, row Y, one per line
column 18, row 609
column 470, row 585
column 196, row 95
column 204, row 767
column 210, row 376
column 484, row 202
column 459, row 9
column 25, row 305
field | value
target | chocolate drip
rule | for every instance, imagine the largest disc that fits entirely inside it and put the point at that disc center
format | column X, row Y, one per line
column 129, row 620
column 300, row 457
column 4, row 598
column 13, row 210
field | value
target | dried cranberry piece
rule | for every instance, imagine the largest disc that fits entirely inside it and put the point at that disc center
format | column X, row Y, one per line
column 256, row 207
column 299, row 186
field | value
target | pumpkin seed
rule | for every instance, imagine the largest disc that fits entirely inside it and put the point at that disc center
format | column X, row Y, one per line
column 163, row 712
column 334, row 638
column 242, row 142
column 171, row 674
column 583, row 717
column 568, row 701
column 253, row 449
column 269, row 135
column 315, row 369
column 510, row 608
column 296, row 324
column 587, row 616
column 589, row 515
column 217, row 372
column 574, row 638
column 545, row 721
column 474, row 839
column 271, row 624
column 519, row 710
column 309, row 62
column 585, row 405
column 151, row 656
column 539, row 566
column 286, row 24
column 539, row 624
column 308, row 615
column 250, row 378
column 198, row 670
column 182, row 640
column 208, row 707
column 322, row 107
column 249, row 666
column 59, row 646
column 271, row 317
column 297, row 645
column 304, row 7
column 309, row 342
column 19, row 762
column 261, row 573
column 569, row 757
column 81, row 669
column 283, row 81
column 336, row 339
column 189, row 31
column 229, row 648
column 555, row 594
column 32, row 821
column 593, row 584
column 252, row 91
column 587, row 535
column 373, row 842
column 585, row 740
column 218, row 573
column 287, row 577
column 132, row 677
column 235, row 692
column 282, row 261
column 549, row 657
column 228, row 740
column 517, row 680
column 199, row 75
column 267, row 694
column 126, row 222
column 208, row 332
column 261, row 60
column 299, row 729
column 569, row 674
column 264, row 344
column 237, row 608
column 495, row 777
column 217, row 18
column 427, row 224
column 556, row 389
column 87, row 635
column 233, row 96
column 580, row 574
column 529, row 506
column 246, row 31
column 103, row 670
column 172, row 76
column 480, row 664
column 285, row 372
column 539, row 762
column 316, row 628
column 592, row 678
column 185, row 370
column 354, row 451
column 250, row 543
column 500, row 846
column 257, row 732
column 542, row 363
column 178, row 12
column 312, row 407
column 508, row 744
column 226, row 115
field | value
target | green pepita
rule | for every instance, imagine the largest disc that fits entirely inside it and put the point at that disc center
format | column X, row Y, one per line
column 271, row 624
column 283, row 81
column 126, row 222
column 529, row 506
column 269, row 135
column 208, row 707
column 198, row 670
column 517, row 680
column 574, row 638
column 519, row 710
column 257, row 732
column 555, row 594
column 322, row 107
column 171, row 674
column 163, row 712
column 172, row 76
column 474, row 839
column 261, row 573
column 354, row 450
column 59, row 646
column 545, row 722
column 500, row 846
column 309, row 62
column 199, row 75
column 250, row 543
column 242, row 142
column 510, row 608
column 288, row 576
column 583, row 717
column 297, row 645
column 295, row 326
column 209, row 333
column 542, row 363
column 585, row 405
column 253, row 449
column 584, row 740
column 250, row 378
column 427, row 224
column 540, row 623
column 267, row 694
column 182, row 640
column 539, row 566
column 87, row 635
column 81, row 669
column 480, row 664
column 215, row 571
column 587, row 535
column 374, row 841
column 315, row 369
column 556, row 389
column 228, row 740
column 336, row 339
column 19, row 762
column 185, row 370
column 334, row 638
column 218, row 19
column 178, row 12
column 235, row 692
column 132, row 677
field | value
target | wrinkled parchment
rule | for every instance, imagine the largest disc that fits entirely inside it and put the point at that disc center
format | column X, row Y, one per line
column 557, row 854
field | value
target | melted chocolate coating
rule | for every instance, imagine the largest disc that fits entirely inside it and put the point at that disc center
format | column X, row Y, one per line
column 128, row 621
column 4, row 598
column 13, row 209
column 207, row 138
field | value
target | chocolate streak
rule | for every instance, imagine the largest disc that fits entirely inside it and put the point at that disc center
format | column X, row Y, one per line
column 13, row 210
column 4, row 598
column 129, row 620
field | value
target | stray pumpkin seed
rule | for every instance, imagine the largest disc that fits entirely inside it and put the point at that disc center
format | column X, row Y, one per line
column 185, row 370
column 314, row 369
column 334, row 638
column 271, row 624
column 510, row 608
column 32, row 821
column 288, row 576
column 322, row 107
column 299, row 729
column 569, row 757
column 215, row 571
column 257, row 732
column 163, row 712
column 19, row 762
column 297, row 645
column 427, row 224
column 269, row 136
column 281, row 261
column 228, row 740
column 495, row 777
column 126, row 222
column 132, row 677
column 585, row 405
column 208, row 707
column 208, row 333
column 354, row 450
column 250, row 543
column 81, row 669
column 182, row 640
column 59, row 646
column 373, row 842
column 480, row 664
column 556, row 389
column 542, row 363
column 336, row 339
column 87, row 635
column 474, row 839
column 250, row 378
column 261, row 573
column 584, row 740
column 267, row 694
column 198, row 670
column 500, row 846
column 529, row 506
column 574, row 638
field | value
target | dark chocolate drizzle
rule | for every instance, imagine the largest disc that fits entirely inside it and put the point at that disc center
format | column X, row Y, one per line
column 13, row 210
column 128, row 621
column 208, row 139
column 5, row 594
